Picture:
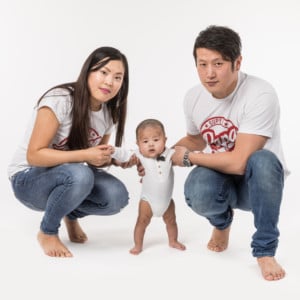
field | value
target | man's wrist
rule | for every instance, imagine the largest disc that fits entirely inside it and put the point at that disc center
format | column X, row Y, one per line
column 186, row 161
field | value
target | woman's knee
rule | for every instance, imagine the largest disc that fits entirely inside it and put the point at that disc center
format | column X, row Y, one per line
column 121, row 197
column 117, row 196
column 79, row 176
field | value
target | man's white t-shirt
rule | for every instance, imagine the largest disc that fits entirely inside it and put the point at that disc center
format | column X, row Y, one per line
column 252, row 108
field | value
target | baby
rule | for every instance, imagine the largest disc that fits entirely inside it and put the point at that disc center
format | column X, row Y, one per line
column 157, row 183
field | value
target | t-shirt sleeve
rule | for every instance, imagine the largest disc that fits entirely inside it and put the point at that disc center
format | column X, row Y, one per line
column 261, row 116
column 188, row 107
column 60, row 104
column 122, row 154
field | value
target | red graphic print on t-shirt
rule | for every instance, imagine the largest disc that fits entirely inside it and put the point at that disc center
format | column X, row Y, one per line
column 94, row 140
column 219, row 133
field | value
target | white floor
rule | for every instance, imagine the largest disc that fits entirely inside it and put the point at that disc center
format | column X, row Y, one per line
column 103, row 268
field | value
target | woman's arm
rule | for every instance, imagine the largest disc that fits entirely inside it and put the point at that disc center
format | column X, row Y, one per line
column 44, row 130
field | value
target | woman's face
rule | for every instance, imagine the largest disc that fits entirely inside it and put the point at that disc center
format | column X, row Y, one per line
column 105, row 83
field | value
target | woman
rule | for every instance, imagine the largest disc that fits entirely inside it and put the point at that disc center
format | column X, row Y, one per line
column 56, row 169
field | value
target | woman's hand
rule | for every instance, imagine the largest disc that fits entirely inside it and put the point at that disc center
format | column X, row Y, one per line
column 99, row 156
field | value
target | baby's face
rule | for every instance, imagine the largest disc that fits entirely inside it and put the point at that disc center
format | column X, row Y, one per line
column 151, row 141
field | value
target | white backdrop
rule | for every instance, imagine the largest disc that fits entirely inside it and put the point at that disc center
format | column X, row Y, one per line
column 44, row 43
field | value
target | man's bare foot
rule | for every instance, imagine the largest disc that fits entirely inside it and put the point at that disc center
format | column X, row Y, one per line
column 270, row 269
column 219, row 240
column 177, row 245
column 53, row 246
column 136, row 250
column 75, row 232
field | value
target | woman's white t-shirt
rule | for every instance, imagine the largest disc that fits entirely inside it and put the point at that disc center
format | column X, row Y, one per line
column 60, row 101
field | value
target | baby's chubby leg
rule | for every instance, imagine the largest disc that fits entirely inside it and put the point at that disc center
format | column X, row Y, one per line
column 143, row 220
column 169, row 218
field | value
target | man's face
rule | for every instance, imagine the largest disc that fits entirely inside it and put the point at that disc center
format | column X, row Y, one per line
column 215, row 73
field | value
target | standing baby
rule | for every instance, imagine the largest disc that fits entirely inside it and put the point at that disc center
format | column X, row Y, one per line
column 157, row 182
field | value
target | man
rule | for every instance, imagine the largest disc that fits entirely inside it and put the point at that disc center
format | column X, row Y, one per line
column 233, row 139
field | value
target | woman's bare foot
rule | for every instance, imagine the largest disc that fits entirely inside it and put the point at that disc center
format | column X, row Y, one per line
column 75, row 232
column 270, row 269
column 53, row 246
column 219, row 240
column 136, row 250
column 177, row 245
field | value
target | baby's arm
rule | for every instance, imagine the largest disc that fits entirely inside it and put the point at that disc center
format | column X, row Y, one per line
column 121, row 154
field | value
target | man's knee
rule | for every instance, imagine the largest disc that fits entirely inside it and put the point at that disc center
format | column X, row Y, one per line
column 198, row 192
column 265, row 164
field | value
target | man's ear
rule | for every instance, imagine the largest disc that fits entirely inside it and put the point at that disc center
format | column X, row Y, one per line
column 238, row 63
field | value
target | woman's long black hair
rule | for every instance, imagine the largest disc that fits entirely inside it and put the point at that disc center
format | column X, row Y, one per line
column 117, row 106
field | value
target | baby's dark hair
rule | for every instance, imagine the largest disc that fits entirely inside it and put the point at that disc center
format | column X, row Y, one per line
column 149, row 123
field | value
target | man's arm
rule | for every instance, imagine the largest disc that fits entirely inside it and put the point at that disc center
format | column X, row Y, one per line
column 192, row 142
column 233, row 162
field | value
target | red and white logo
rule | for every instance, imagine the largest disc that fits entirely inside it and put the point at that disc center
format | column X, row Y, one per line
column 219, row 133
column 94, row 140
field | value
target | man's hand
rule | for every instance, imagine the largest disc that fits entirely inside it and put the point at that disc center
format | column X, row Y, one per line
column 177, row 157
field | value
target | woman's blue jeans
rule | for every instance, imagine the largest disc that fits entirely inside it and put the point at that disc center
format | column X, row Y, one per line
column 74, row 190
column 213, row 195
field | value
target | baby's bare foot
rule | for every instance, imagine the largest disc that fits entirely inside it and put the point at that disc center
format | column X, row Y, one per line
column 219, row 240
column 177, row 245
column 75, row 232
column 136, row 250
column 53, row 246
column 270, row 269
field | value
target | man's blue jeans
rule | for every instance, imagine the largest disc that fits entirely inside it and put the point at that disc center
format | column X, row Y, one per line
column 74, row 190
column 213, row 195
